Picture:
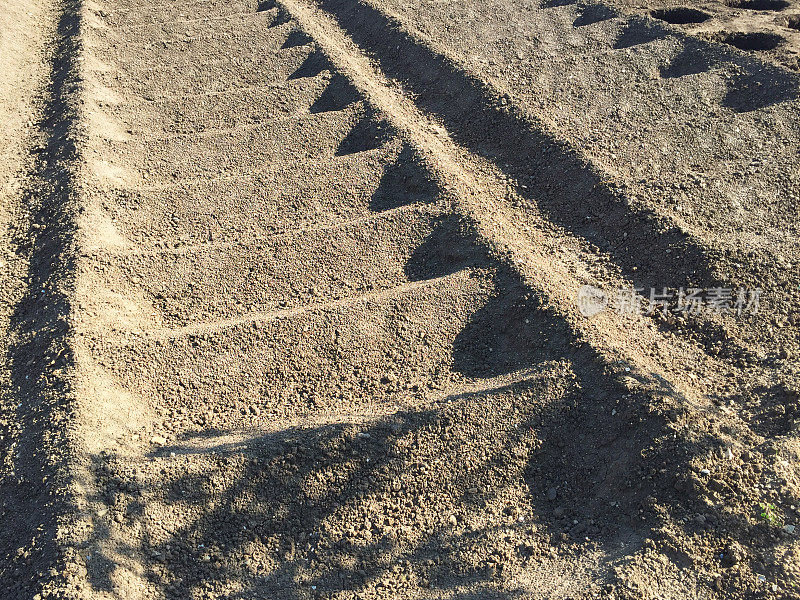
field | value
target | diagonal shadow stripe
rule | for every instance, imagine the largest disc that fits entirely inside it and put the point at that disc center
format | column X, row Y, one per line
column 557, row 178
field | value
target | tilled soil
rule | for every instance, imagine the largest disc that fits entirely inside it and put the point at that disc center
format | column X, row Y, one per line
column 769, row 29
column 292, row 306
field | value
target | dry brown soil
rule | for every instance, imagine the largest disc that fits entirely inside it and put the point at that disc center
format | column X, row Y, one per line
column 289, row 299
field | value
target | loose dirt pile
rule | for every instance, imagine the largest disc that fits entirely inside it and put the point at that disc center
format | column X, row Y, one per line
column 318, row 300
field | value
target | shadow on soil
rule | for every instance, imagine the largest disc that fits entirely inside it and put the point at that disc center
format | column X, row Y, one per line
column 552, row 453
column 753, row 84
column 649, row 250
column 36, row 497
column 594, row 13
column 557, row 179
column 404, row 182
column 639, row 31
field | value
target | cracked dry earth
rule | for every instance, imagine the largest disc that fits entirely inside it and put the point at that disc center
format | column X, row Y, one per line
column 289, row 303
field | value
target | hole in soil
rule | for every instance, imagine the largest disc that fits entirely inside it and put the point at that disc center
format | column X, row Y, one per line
column 793, row 22
column 680, row 15
column 758, row 4
column 556, row 3
column 753, row 41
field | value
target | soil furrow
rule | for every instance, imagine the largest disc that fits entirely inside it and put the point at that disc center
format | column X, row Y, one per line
column 300, row 321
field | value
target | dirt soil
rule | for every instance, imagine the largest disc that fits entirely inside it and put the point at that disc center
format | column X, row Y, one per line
column 326, row 299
